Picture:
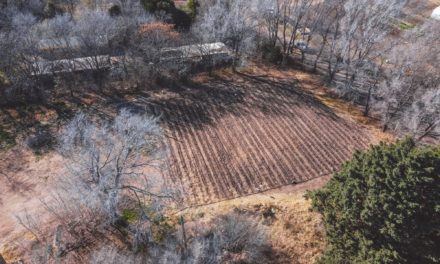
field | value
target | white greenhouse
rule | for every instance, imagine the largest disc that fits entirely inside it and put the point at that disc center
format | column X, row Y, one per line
column 436, row 14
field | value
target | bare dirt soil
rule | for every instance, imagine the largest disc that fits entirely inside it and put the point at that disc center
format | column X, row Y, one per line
column 238, row 134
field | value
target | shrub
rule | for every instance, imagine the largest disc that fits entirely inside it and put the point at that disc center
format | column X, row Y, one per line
column 3, row 78
column 406, row 26
column 51, row 9
column 234, row 238
column 179, row 18
column 41, row 141
column 383, row 206
column 114, row 11
column 6, row 140
column 129, row 215
column 157, row 5
column 271, row 53
column 192, row 7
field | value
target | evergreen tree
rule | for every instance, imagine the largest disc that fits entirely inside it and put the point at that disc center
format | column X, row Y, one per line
column 179, row 18
column 3, row 3
column 153, row 6
column 115, row 10
column 50, row 10
column 192, row 7
column 383, row 206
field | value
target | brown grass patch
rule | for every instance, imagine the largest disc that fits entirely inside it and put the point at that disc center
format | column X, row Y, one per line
column 297, row 234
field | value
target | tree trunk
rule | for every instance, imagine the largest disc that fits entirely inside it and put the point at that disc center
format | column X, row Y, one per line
column 318, row 56
column 2, row 260
column 182, row 224
column 284, row 60
column 367, row 105
column 57, row 244
column 332, row 71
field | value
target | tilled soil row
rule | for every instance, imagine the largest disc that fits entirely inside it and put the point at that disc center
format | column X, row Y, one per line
column 245, row 148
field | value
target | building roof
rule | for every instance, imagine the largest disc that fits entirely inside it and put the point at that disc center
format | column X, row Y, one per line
column 196, row 50
column 45, row 67
column 59, row 43
column 73, row 65
column 436, row 14
column 67, row 43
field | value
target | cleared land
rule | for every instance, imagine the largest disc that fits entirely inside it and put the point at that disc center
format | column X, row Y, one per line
column 233, row 137
column 229, row 135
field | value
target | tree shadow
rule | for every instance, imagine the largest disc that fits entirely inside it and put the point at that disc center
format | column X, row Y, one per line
column 10, row 166
column 198, row 104
column 191, row 103
column 15, row 185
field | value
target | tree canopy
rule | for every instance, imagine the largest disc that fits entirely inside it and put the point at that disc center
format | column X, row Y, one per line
column 383, row 206
column 179, row 18
column 158, row 5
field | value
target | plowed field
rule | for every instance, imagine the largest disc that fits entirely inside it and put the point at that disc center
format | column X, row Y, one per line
column 230, row 138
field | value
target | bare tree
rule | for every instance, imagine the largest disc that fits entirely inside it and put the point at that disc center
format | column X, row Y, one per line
column 110, row 166
column 70, row 6
column 271, row 20
column 112, row 255
column 234, row 238
column 233, row 22
column 423, row 118
column 106, row 160
column 293, row 15
column 412, row 80
column 18, row 54
column 96, row 30
column 229, row 238
column 131, row 8
column 327, row 29
column 364, row 26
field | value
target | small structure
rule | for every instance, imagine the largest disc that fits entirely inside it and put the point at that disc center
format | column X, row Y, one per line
column 94, row 63
column 303, row 32
column 212, row 54
column 69, row 43
column 301, row 45
column 59, row 43
column 189, row 56
column 217, row 50
column 436, row 14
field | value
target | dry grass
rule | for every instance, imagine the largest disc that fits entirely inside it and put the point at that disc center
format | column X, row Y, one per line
column 297, row 234
column 12, row 253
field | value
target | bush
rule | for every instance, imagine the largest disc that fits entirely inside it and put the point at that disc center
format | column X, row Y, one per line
column 40, row 142
column 180, row 19
column 383, row 206
column 192, row 7
column 234, row 238
column 153, row 6
column 51, row 9
column 114, row 11
column 7, row 140
column 271, row 53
